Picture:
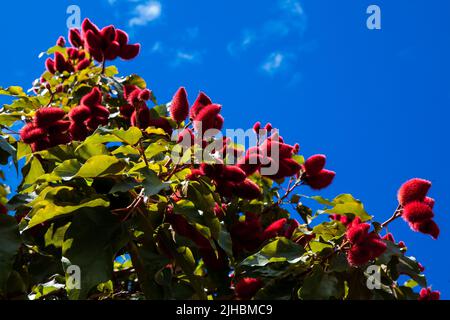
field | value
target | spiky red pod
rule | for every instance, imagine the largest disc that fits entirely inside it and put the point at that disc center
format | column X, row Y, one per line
column 41, row 144
column 247, row 190
column 358, row 256
column 212, row 170
column 78, row 131
column 108, row 35
column 421, row 267
column 59, row 139
column 357, row 233
column 247, row 288
column 186, row 138
column 179, row 109
column 83, row 64
column 142, row 118
column 322, row 180
column 375, row 245
column 202, row 101
column 50, row 65
column 212, row 261
column 257, row 127
column 429, row 202
column 413, row 190
column 277, row 150
column 345, row 220
column 275, row 229
column 161, row 123
column 269, row 127
column 94, row 43
column 250, row 163
column 58, row 127
column 80, row 114
column 60, row 62
column 233, row 174
column 415, row 212
column 96, row 121
column 130, row 51
column 126, row 111
column 247, row 234
column 315, row 164
column 30, row 133
column 113, row 50
column 426, row 227
column 426, row 294
column 183, row 228
column 121, row 37
column 47, row 116
column 389, row 237
column 145, row 95
column 206, row 118
column 61, row 42
column 218, row 122
column 87, row 25
column 93, row 98
column 100, row 111
column 75, row 38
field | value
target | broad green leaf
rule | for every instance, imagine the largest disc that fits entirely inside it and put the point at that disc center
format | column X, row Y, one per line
column 12, row 91
column 280, row 250
column 320, row 285
column 32, row 171
column 346, row 204
column 46, row 210
column 9, row 245
column 68, row 169
column 101, row 166
column 91, row 242
column 329, row 230
column 152, row 184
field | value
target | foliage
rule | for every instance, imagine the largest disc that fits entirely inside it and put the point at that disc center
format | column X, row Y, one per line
column 102, row 190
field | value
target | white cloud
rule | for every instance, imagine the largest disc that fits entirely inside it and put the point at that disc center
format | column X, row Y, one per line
column 273, row 63
column 145, row 13
column 182, row 56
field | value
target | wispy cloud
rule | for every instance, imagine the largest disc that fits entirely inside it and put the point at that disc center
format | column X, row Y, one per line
column 289, row 20
column 145, row 13
column 273, row 63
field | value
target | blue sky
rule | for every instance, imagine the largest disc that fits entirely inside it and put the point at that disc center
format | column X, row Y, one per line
column 375, row 101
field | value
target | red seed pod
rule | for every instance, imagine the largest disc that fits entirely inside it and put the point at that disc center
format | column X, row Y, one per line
column 207, row 117
column 220, row 211
column 93, row 98
column 322, row 180
column 61, row 42
column 269, row 127
column 257, row 127
column 75, row 38
column 47, row 116
column 126, row 111
column 58, row 127
column 202, row 101
column 219, row 122
column 129, row 51
column 429, row 202
column 357, row 233
column 30, row 134
column 59, row 139
column 389, row 237
column 161, row 123
column 80, row 114
column 247, row 190
column 40, row 145
column 275, row 229
column 186, row 138
column 145, row 95
column 250, row 164
column 108, row 35
column 179, row 109
column 315, row 164
column 112, row 51
column 142, row 118
column 60, row 62
column 50, row 65
column 427, row 295
column 413, row 190
column 426, row 227
column 233, row 174
column 247, row 288
column 83, row 64
column 100, row 111
column 87, row 25
column 415, row 212
column 121, row 37
column 78, row 131
column 93, row 41
column 358, row 256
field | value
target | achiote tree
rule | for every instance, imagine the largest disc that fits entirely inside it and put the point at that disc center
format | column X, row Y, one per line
column 125, row 198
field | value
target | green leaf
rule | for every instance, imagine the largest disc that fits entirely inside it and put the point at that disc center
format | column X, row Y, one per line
column 68, row 169
column 280, row 250
column 329, row 230
column 32, row 171
column 345, row 204
column 152, row 184
column 101, row 166
column 9, row 245
column 321, row 286
column 47, row 207
column 13, row 91
column 91, row 242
